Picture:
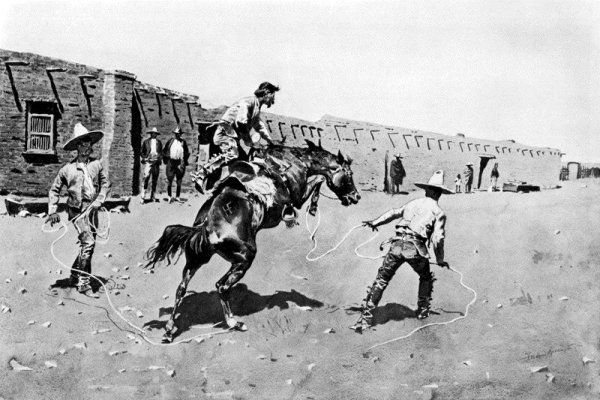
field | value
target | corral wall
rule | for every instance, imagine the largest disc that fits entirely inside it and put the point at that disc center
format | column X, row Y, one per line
column 125, row 108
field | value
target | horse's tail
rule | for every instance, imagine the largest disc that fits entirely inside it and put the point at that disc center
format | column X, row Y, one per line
column 173, row 241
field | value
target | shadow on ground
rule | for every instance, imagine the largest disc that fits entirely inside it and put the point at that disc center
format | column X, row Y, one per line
column 205, row 308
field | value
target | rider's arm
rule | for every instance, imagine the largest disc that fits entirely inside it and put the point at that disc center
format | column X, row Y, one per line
column 388, row 216
column 54, row 193
column 263, row 131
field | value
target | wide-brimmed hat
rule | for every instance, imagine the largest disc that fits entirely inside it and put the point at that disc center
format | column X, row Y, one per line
column 81, row 133
column 436, row 182
column 177, row 130
column 398, row 155
column 153, row 130
column 469, row 163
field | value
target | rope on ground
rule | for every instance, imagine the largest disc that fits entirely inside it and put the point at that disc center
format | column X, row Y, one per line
column 105, row 236
column 312, row 236
column 314, row 240
column 434, row 323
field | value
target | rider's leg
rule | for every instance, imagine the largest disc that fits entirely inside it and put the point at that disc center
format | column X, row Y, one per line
column 391, row 262
column 421, row 266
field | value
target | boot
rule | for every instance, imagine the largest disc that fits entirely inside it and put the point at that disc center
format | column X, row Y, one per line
column 199, row 179
column 83, row 284
column 365, row 321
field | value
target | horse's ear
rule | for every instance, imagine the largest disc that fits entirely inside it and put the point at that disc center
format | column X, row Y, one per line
column 348, row 160
column 340, row 157
column 311, row 145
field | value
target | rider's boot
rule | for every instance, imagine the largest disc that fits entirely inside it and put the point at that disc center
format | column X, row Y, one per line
column 425, row 291
column 200, row 179
column 365, row 321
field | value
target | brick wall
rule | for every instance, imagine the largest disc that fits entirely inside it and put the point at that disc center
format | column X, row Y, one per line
column 125, row 108
column 33, row 82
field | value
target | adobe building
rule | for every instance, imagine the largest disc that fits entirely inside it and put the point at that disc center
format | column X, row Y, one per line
column 43, row 98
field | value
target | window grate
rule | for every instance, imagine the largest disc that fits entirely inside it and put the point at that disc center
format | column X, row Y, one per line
column 41, row 133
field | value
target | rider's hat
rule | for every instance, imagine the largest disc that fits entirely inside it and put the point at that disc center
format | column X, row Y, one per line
column 436, row 182
column 153, row 130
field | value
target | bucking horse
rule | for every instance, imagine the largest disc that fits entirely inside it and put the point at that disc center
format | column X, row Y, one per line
column 249, row 199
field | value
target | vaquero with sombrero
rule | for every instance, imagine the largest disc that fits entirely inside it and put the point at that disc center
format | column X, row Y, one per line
column 87, row 187
column 151, row 155
column 422, row 222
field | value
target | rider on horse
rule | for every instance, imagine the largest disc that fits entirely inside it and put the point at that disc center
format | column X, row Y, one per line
column 240, row 121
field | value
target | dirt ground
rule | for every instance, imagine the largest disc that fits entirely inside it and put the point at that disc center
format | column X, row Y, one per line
column 533, row 260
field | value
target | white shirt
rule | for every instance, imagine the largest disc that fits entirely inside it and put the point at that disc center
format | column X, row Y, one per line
column 176, row 150
column 153, row 147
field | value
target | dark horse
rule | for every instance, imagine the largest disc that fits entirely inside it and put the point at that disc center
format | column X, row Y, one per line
column 228, row 222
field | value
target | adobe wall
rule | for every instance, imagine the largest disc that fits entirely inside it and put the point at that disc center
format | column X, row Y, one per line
column 125, row 108
column 422, row 152
column 107, row 100
column 32, row 80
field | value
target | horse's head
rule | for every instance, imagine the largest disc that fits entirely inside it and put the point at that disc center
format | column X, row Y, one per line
column 337, row 173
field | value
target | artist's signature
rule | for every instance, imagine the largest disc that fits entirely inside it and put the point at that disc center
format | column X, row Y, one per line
column 536, row 356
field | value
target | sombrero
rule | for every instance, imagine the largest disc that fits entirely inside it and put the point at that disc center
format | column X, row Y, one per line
column 153, row 130
column 436, row 182
column 177, row 130
column 81, row 133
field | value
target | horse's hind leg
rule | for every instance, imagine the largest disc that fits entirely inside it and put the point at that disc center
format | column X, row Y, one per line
column 191, row 266
column 241, row 261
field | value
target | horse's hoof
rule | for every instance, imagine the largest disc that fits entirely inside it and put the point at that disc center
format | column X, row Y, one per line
column 236, row 325
column 167, row 338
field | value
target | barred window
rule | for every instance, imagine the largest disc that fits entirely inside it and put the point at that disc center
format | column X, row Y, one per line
column 41, row 126
column 41, row 133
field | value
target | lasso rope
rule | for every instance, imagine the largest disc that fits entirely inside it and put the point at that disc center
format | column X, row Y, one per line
column 313, row 238
column 105, row 236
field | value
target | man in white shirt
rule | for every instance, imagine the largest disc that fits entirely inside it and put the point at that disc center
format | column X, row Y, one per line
column 175, row 155
column 151, row 155
column 422, row 221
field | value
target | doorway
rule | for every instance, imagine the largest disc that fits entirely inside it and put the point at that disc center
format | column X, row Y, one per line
column 136, row 145
column 484, row 159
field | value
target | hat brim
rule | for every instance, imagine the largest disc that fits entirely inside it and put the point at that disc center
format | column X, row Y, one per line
column 151, row 131
column 92, row 136
column 442, row 189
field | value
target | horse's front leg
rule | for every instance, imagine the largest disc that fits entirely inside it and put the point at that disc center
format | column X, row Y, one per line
column 243, row 260
column 313, row 190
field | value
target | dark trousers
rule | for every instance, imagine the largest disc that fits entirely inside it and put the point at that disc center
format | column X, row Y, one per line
column 86, row 229
column 400, row 252
column 151, row 171
column 175, row 169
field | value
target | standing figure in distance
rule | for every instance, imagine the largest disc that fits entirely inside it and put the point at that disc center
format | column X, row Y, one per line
column 397, row 173
column 494, row 178
column 457, row 183
column 151, row 156
column 87, row 187
column 422, row 222
column 175, row 156
column 468, row 177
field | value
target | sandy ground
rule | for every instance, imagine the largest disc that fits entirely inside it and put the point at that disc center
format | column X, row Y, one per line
column 532, row 258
